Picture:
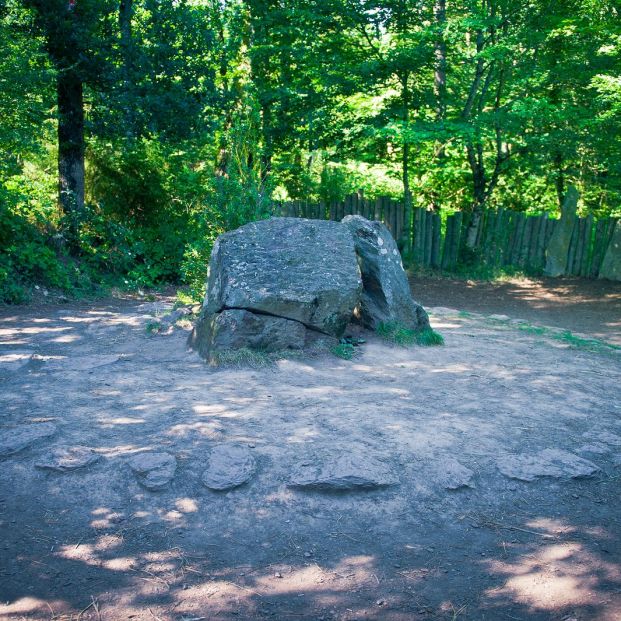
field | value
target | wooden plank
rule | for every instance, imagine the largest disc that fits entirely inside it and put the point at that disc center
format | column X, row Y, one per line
column 573, row 244
column 587, row 246
column 448, row 242
column 517, row 240
column 525, row 246
column 508, row 237
column 436, row 248
column 400, row 225
column 601, row 230
column 457, row 234
column 428, row 237
column 540, row 249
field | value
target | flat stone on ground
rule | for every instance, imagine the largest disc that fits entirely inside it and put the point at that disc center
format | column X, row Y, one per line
column 342, row 472
column 230, row 465
column 554, row 463
column 67, row 458
column 453, row 475
column 15, row 439
column 153, row 470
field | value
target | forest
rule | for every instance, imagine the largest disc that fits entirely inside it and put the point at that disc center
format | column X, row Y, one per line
column 134, row 132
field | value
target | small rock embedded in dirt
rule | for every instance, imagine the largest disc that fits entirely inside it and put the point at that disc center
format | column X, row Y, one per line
column 15, row 439
column 554, row 463
column 154, row 470
column 230, row 465
column 343, row 472
column 67, row 458
column 452, row 475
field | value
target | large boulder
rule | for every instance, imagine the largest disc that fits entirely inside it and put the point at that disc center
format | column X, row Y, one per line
column 386, row 296
column 290, row 283
column 293, row 269
column 611, row 265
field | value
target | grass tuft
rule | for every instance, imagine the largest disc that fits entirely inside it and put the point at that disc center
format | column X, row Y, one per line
column 243, row 357
column 346, row 351
column 398, row 334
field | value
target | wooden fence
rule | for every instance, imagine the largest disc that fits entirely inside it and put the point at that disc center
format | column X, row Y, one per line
column 505, row 238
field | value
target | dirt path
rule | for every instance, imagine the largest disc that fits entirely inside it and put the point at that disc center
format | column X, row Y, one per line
column 590, row 307
column 495, row 400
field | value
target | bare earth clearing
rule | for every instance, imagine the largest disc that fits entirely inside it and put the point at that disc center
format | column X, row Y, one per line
column 93, row 543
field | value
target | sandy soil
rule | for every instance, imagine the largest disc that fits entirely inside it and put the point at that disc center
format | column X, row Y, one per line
column 94, row 544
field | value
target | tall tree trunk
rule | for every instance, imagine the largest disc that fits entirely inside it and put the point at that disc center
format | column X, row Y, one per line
column 407, row 192
column 126, row 9
column 71, row 149
column 439, row 11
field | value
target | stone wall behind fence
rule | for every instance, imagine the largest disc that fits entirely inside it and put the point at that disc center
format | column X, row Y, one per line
column 505, row 238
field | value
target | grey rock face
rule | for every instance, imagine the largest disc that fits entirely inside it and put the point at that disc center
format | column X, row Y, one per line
column 386, row 296
column 15, row 439
column 234, row 329
column 342, row 472
column 611, row 265
column 291, row 268
column 554, row 463
column 67, row 458
column 153, row 470
column 557, row 251
column 230, row 465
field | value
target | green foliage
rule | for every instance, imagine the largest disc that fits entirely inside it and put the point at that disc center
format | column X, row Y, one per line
column 345, row 351
column 398, row 334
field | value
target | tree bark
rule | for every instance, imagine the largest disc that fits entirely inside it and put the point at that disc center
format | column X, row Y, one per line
column 439, row 11
column 71, row 149
column 126, row 9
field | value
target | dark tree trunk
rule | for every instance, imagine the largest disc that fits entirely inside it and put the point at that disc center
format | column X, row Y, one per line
column 126, row 9
column 439, row 11
column 71, row 149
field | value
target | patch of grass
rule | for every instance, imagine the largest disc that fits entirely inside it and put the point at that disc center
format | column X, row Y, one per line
column 429, row 338
column 243, row 357
column 574, row 341
column 398, row 334
column 346, row 351
column 152, row 327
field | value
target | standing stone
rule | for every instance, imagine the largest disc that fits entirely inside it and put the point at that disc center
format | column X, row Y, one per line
column 67, row 458
column 230, row 465
column 557, row 251
column 15, row 439
column 611, row 265
column 386, row 296
column 153, row 470
column 342, row 472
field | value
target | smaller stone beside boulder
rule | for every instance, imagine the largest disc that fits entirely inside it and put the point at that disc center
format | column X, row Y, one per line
column 386, row 297
column 341, row 472
column 230, row 465
column 67, row 458
column 153, row 470
column 557, row 251
column 16, row 439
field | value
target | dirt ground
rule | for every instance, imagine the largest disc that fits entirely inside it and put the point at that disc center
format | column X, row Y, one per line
column 585, row 306
column 94, row 544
